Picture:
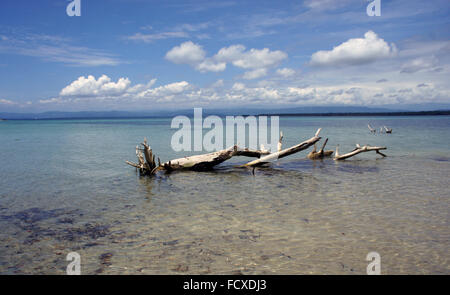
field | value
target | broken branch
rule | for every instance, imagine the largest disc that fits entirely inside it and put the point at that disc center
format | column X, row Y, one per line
column 286, row 152
column 358, row 150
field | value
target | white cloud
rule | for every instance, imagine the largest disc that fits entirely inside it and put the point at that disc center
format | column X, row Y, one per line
column 257, row 60
column 286, row 72
column 141, row 87
column 186, row 53
column 230, row 53
column 209, row 65
column 355, row 52
column 255, row 74
column 91, row 87
column 103, row 88
column 251, row 59
column 240, row 92
column 173, row 88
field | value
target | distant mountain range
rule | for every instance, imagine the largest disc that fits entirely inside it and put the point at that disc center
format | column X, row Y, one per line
column 312, row 110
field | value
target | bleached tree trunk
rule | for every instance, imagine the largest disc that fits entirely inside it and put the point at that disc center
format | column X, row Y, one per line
column 147, row 165
column 207, row 161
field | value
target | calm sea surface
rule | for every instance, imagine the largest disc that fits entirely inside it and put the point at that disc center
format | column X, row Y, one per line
column 64, row 186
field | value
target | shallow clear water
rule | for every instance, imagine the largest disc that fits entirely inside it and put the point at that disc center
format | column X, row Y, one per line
column 64, row 186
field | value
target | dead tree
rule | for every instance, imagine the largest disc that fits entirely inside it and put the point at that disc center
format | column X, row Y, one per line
column 313, row 155
column 358, row 150
column 147, row 165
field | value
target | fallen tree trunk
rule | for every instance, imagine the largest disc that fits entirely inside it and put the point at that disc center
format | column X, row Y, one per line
column 358, row 150
column 314, row 155
column 147, row 165
column 286, row 152
column 207, row 161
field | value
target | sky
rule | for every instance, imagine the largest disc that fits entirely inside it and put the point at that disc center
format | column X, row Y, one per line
column 149, row 55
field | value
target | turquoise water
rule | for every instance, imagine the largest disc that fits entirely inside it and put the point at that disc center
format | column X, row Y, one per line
column 64, row 186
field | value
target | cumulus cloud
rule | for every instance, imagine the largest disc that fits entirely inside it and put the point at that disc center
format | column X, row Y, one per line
column 355, row 51
column 256, row 60
column 186, row 53
column 95, row 87
column 89, row 88
column 251, row 59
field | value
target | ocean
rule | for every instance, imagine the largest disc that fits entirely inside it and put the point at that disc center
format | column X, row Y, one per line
column 65, row 187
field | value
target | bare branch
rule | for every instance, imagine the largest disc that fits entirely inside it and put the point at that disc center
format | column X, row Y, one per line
column 358, row 150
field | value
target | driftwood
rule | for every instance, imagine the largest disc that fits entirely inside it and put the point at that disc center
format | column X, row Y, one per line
column 358, row 150
column 313, row 155
column 383, row 129
column 388, row 130
column 146, row 159
column 286, row 152
column 147, row 165
column 208, row 161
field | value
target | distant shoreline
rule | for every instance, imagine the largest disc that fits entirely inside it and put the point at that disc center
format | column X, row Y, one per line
column 325, row 114
column 361, row 114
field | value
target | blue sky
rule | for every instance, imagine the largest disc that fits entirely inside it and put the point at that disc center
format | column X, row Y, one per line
column 143, row 55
